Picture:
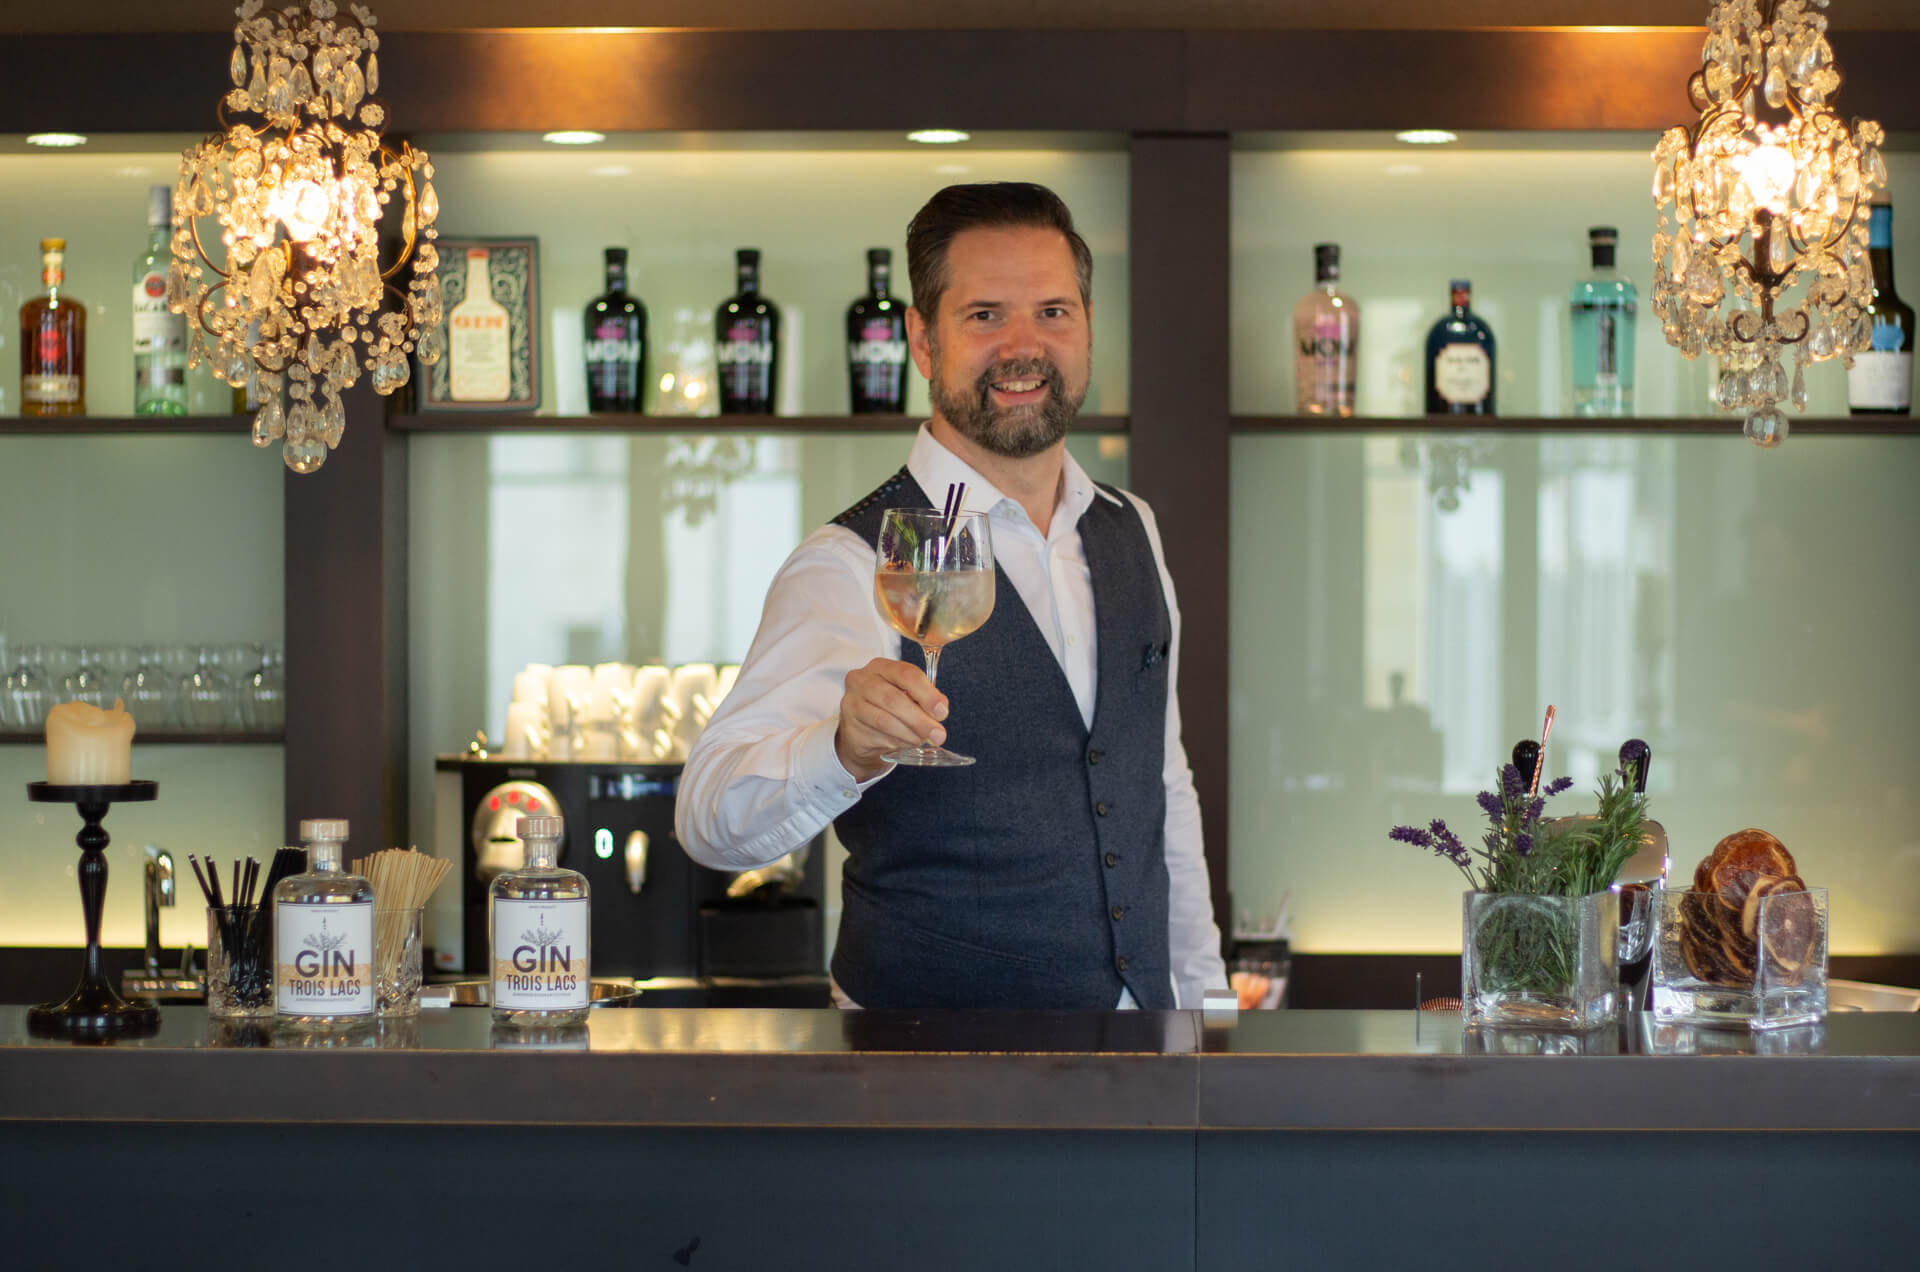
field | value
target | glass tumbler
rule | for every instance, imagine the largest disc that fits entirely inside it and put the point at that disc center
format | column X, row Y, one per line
column 87, row 680
column 396, row 960
column 24, row 693
column 239, row 967
column 147, row 690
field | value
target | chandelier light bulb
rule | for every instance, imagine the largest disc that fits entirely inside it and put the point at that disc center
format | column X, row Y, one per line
column 1768, row 190
column 299, row 183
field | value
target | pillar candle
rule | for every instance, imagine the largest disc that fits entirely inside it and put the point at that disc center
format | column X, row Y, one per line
column 89, row 747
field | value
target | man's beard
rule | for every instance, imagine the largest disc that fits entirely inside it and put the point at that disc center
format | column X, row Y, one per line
column 1011, row 431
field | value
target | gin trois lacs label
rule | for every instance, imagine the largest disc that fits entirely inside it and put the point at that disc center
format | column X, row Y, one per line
column 323, row 963
column 540, row 954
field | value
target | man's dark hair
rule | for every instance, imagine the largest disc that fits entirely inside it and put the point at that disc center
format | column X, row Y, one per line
column 991, row 205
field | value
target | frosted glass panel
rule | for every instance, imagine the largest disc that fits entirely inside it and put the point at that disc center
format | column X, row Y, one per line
column 1405, row 607
column 222, row 802
column 116, row 541
column 581, row 548
column 812, row 213
column 97, row 202
column 1514, row 222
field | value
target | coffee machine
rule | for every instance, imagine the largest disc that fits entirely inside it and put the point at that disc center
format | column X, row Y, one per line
column 656, row 914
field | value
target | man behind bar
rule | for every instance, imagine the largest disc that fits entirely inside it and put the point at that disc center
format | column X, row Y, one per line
column 1064, row 868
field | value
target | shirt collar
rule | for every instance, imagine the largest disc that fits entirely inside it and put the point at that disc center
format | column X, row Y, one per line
column 935, row 468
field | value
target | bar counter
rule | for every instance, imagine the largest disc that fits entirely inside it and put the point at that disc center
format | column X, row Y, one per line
column 801, row 1139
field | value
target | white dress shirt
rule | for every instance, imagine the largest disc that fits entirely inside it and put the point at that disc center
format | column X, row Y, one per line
column 764, row 778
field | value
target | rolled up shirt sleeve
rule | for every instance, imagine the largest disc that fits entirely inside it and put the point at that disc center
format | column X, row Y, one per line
column 764, row 778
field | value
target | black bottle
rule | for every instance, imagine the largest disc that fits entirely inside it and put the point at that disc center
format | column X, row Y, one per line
column 877, row 343
column 1460, row 359
column 746, row 339
column 616, row 349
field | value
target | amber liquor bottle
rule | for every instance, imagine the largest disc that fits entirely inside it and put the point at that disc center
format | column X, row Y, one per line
column 53, row 342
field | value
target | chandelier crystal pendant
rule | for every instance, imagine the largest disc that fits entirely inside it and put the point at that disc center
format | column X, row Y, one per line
column 1766, row 193
column 299, row 183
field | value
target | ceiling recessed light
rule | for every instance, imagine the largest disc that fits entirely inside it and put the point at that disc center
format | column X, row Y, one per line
column 1426, row 136
column 938, row 136
column 56, row 140
column 574, row 137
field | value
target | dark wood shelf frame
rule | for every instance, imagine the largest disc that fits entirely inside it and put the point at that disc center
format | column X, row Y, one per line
column 1178, row 96
column 523, row 422
column 1812, row 426
column 128, row 425
column 163, row 737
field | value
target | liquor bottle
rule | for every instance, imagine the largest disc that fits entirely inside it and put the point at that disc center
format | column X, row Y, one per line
column 159, row 337
column 479, row 361
column 877, row 343
column 1460, row 359
column 53, row 342
column 1604, row 305
column 616, row 343
column 323, row 937
column 538, row 934
column 1881, row 379
column 1326, row 337
column 746, row 338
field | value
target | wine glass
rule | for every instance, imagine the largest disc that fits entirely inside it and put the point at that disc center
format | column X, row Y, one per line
column 933, row 582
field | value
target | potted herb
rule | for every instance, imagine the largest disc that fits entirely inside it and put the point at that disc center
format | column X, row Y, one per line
column 1540, row 926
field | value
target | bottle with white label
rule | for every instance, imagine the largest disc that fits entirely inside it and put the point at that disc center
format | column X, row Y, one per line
column 538, row 933
column 479, row 347
column 1460, row 359
column 159, row 337
column 323, row 937
column 1880, row 382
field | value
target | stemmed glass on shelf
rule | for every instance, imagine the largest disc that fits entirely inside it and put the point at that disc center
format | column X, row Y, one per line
column 933, row 581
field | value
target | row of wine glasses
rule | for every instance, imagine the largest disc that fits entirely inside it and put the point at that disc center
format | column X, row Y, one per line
column 188, row 688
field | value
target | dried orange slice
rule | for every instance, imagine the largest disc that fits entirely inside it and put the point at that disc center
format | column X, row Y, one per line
column 1787, row 927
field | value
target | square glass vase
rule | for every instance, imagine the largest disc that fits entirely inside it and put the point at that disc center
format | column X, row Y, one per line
column 1540, row 962
column 1759, row 965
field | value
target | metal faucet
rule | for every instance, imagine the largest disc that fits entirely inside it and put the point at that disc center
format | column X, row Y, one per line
column 159, row 892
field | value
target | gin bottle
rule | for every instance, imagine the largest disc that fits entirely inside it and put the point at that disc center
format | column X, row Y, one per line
column 479, row 342
column 746, row 335
column 1604, row 305
column 877, row 343
column 1880, row 381
column 1326, row 337
column 616, row 353
column 1460, row 359
column 538, row 932
column 159, row 337
column 323, row 937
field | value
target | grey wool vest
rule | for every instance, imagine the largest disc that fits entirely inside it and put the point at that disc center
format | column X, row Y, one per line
column 1037, row 877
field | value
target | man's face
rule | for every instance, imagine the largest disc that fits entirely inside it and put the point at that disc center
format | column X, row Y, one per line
column 1008, row 357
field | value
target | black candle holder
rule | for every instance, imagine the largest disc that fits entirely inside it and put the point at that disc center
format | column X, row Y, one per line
column 94, row 1009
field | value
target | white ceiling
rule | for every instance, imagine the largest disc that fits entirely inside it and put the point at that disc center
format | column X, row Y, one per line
column 439, row 15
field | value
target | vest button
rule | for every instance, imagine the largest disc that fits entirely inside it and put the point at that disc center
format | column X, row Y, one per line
column 1093, row 757
column 1120, row 963
column 1101, row 808
column 1119, row 910
column 1112, row 861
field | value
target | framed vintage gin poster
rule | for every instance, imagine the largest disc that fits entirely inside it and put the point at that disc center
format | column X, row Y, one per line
column 490, row 290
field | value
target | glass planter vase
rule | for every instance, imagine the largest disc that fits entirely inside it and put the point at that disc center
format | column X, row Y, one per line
column 1542, row 962
column 1761, row 965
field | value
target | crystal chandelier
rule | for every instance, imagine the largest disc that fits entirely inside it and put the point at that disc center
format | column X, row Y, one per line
column 298, row 181
column 1767, row 191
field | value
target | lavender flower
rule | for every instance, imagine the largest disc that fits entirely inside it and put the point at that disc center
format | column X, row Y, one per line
column 1491, row 806
column 1523, row 844
column 1411, row 835
column 1535, row 807
column 1448, row 844
column 1559, row 785
column 1512, row 781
